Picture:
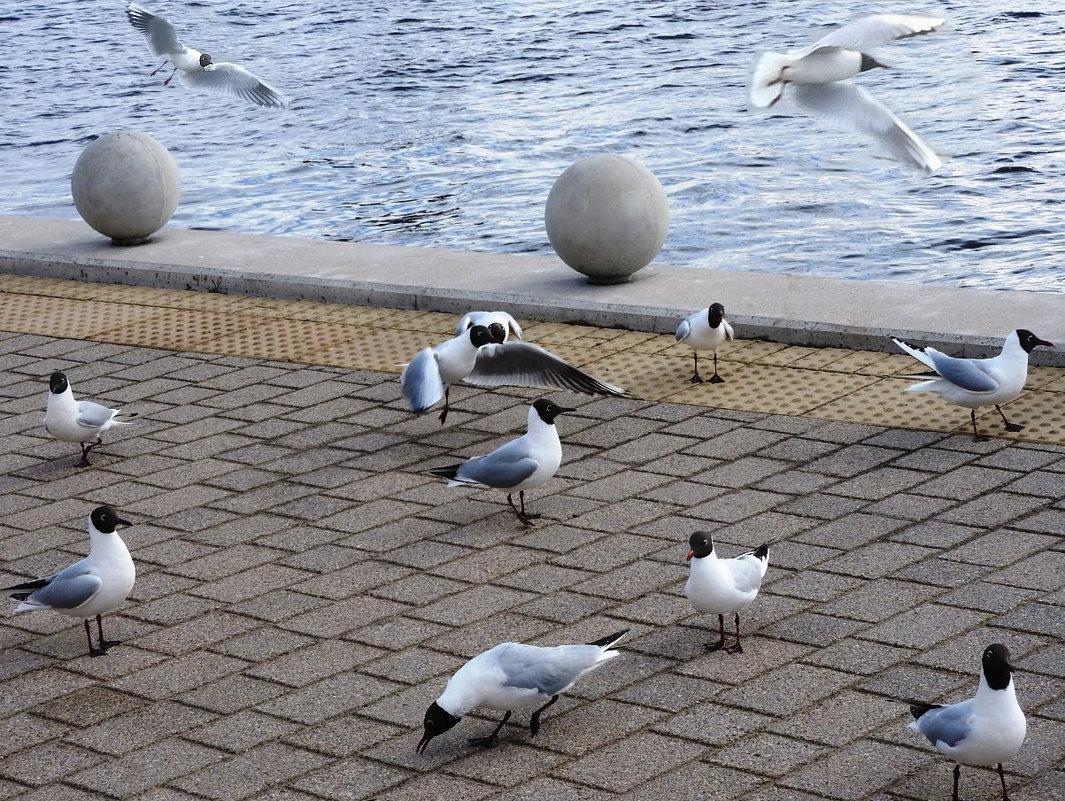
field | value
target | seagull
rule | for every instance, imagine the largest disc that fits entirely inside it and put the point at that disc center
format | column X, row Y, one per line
column 70, row 420
column 198, row 70
column 511, row 676
column 97, row 584
column 978, row 382
column 987, row 729
column 480, row 357
column 521, row 464
column 815, row 71
column 705, row 330
column 507, row 324
column 723, row 586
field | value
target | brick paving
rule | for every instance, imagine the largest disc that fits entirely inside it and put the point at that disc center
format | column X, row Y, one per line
column 305, row 588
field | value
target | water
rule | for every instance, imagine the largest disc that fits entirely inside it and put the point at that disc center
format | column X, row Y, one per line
column 444, row 124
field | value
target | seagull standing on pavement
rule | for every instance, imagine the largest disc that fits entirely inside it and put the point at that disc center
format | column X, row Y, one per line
column 70, row 420
column 521, row 464
column 508, row 325
column 705, row 330
column 198, row 70
column 723, row 586
column 978, row 382
column 815, row 73
column 97, row 584
column 512, row 676
column 987, row 729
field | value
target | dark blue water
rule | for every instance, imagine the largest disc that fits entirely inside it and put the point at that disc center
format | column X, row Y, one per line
column 444, row 124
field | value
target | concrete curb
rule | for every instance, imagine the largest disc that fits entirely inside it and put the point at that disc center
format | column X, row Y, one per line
column 799, row 310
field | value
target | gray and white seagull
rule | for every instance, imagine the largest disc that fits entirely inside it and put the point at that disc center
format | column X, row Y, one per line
column 511, row 676
column 91, row 587
column 815, row 74
column 199, row 70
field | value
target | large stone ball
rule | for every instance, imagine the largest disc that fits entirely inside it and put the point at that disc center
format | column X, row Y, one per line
column 607, row 217
column 126, row 186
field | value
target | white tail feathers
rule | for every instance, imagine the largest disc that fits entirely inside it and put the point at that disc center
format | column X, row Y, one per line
column 766, row 86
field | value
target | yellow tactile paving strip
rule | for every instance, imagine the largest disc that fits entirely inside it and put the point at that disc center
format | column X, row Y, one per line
column 825, row 383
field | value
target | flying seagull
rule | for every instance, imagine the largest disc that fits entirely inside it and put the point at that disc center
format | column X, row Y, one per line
column 815, row 73
column 978, row 382
column 199, row 70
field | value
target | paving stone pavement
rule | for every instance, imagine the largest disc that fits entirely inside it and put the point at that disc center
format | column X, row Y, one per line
column 305, row 588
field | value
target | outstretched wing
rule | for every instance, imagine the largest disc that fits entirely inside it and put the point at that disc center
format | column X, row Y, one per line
column 524, row 365
column 232, row 79
column 422, row 385
column 160, row 34
column 875, row 30
column 851, row 105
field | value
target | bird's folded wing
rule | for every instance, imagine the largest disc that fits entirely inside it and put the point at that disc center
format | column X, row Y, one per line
column 963, row 372
column 875, row 30
column 854, row 107
column 729, row 333
column 746, row 572
column 546, row 670
column 947, row 724
column 525, row 365
column 93, row 415
column 231, row 79
column 505, row 467
column 422, row 385
column 67, row 592
column 160, row 34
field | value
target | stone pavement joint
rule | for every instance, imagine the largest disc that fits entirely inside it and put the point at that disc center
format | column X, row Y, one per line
column 305, row 587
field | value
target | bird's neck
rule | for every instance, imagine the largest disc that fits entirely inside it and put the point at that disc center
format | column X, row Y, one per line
column 987, row 698
column 110, row 545
column 539, row 430
column 64, row 400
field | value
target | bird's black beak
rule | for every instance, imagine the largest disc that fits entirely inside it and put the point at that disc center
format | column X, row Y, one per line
column 121, row 522
column 420, row 747
column 1044, row 343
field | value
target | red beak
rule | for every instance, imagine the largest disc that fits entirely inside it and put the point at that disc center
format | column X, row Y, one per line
column 690, row 556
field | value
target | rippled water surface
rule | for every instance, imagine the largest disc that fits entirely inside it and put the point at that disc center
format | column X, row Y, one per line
column 444, row 124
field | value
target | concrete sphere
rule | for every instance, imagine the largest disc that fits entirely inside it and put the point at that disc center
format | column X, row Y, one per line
column 607, row 217
column 126, row 186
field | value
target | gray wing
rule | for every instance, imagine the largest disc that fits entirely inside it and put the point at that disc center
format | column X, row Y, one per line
column 947, row 724
column 854, row 107
column 965, row 373
column 506, row 466
column 93, row 415
column 547, row 670
column 231, row 79
column 161, row 36
column 524, row 365
column 876, row 30
column 422, row 385
column 68, row 589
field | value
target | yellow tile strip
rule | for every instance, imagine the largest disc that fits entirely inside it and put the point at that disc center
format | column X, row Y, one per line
column 824, row 383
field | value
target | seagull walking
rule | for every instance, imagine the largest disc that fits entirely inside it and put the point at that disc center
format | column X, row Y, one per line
column 723, row 586
column 480, row 357
column 70, row 420
column 987, row 729
column 199, row 70
column 521, row 464
column 512, row 676
column 978, row 382
column 507, row 324
column 91, row 587
column 705, row 330
column 815, row 72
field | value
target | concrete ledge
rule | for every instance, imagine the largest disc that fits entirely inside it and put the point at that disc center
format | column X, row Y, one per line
column 801, row 310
